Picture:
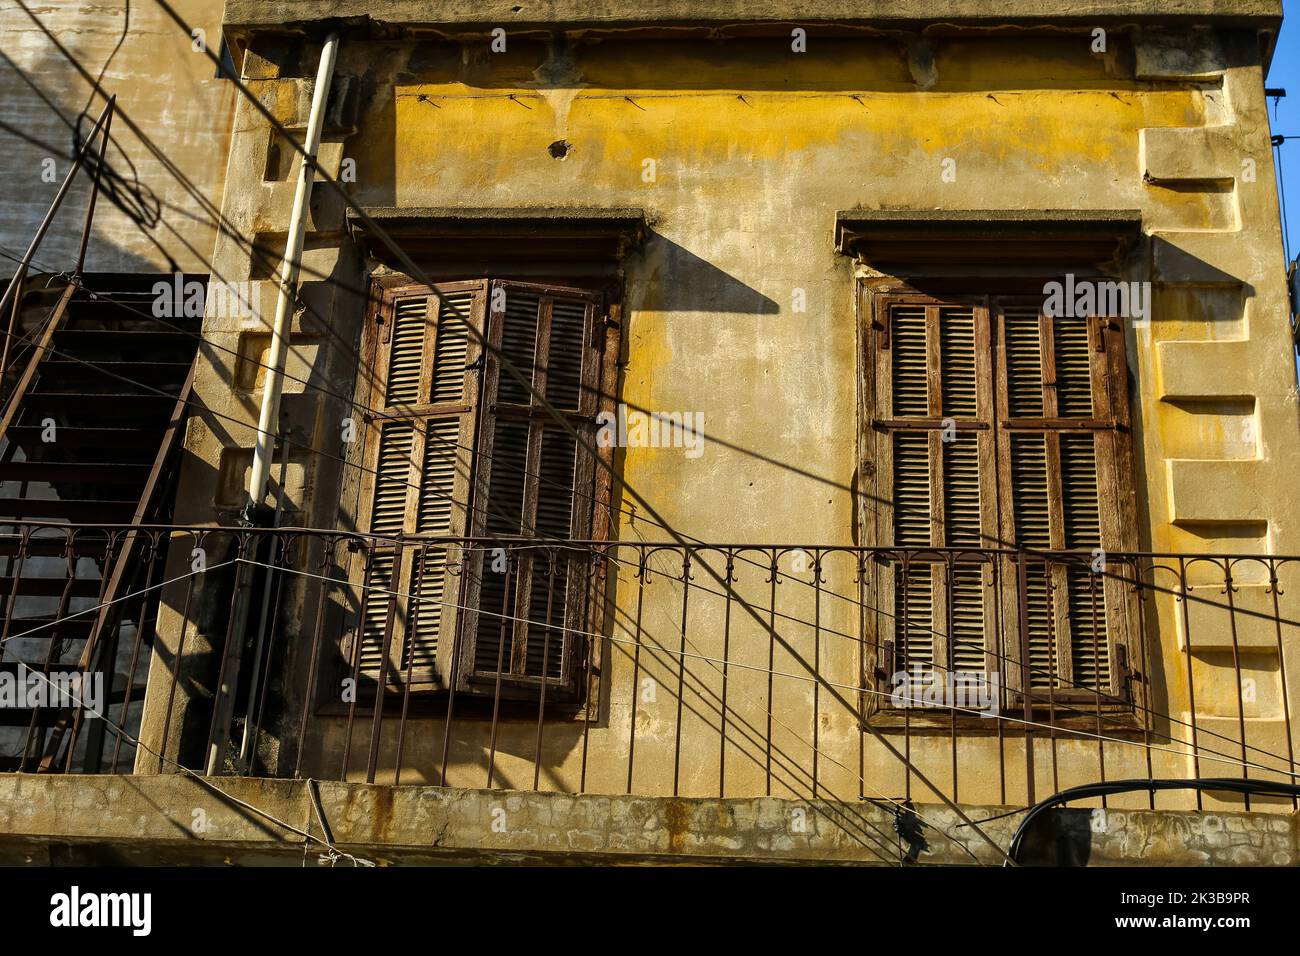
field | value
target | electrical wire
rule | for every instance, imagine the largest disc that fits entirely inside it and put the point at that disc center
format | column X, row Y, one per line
column 123, row 734
column 1001, row 656
column 578, row 632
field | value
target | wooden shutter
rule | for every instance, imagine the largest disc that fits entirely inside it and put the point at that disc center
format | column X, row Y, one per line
column 934, row 456
column 420, row 438
column 1062, row 442
column 534, row 482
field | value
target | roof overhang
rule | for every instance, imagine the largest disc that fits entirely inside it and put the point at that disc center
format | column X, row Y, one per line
column 451, row 16
column 893, row 238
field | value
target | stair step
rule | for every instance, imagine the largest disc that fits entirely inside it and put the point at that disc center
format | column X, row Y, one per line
column 88, row 437
column 79, row 473
column 76, row 510
column 69, row 628
column 62, row 366
column 50, row 587
column 98, row 403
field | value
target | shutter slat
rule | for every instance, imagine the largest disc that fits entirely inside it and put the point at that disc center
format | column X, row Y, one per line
column 518, row 343
column 392, row 478
column 967, row 624
column 506, row 480
column 568, row 338
column 1073, row 373
column 957, row 358
column 914, row 617
column 451, row 348
column 437, row 490
column 914, row 591
column 1024, row 369
column 1089, row 649
column 406, row 352
column 1043, row 649
column 908, row 347
column 1033, row 530
column 420, row 650
column 1029, row 481
column 1082, row 512
column 504, row 504
column 961, row 491
column 912, row 490
column 374, row 617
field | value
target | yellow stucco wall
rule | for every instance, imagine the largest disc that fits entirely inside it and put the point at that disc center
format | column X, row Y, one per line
column 755, row 148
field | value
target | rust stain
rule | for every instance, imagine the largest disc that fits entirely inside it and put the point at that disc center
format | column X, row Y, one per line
column 677, row 818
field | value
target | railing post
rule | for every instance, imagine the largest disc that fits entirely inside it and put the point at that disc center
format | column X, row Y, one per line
column 1026, row 687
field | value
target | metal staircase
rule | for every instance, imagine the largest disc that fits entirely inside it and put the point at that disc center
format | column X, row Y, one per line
column 89, row 437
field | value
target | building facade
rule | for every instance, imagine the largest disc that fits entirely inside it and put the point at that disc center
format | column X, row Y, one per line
column 712, row 403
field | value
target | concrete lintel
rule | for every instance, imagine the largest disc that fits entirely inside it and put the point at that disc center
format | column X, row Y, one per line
column 1058, row 236
column 446, row 220
column 580, row 233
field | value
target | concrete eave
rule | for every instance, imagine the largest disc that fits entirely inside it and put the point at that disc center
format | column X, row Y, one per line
column 891, row 237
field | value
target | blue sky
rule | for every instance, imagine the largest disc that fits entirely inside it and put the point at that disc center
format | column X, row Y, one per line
column 1286, row 74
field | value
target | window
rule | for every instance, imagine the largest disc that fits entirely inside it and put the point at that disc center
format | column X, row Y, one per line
column 460, row 448
column 994, row 426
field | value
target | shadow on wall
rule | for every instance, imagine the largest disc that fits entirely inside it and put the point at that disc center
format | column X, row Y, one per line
column 671, row 278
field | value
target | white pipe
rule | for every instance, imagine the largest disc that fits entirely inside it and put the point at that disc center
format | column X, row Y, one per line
column 224, row 703
column 284, row 302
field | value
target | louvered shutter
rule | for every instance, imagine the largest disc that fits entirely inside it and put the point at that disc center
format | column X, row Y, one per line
column 421, row 438
column 534, row 482
column 933, row 454
column 1064, row 418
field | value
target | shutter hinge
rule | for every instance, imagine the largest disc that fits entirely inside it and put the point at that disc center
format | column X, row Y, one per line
column 1129, row 674
column 885, row 667
column 386, row 329
column 1097, row 327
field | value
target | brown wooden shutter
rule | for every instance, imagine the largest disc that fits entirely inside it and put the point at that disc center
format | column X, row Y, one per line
column 533, row 482
column 934, row 457
column 1058, row 437
column 420, row 438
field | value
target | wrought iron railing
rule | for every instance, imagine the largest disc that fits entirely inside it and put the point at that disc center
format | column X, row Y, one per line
column 989, row 676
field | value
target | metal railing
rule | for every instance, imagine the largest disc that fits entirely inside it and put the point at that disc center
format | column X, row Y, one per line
column 987, row 675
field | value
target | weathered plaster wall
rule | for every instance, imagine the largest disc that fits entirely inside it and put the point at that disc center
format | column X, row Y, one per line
column 754, row 149
column 171, row 819
column 169, row 91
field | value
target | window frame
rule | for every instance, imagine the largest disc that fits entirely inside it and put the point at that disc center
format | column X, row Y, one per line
column 876, row 301
column 589, row 509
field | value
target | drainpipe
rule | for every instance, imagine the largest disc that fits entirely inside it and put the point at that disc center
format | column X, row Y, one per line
column 284, row 304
